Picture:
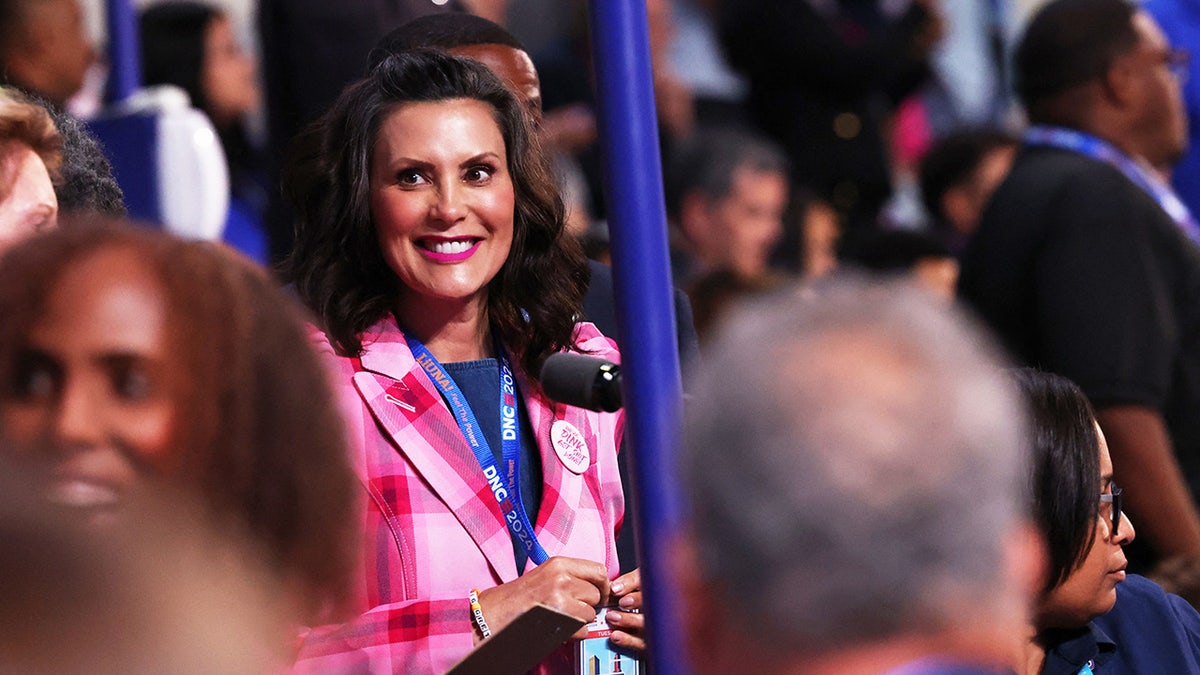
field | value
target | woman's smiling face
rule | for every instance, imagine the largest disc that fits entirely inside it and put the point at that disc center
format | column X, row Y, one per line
column 94, row 390
column 442, row 198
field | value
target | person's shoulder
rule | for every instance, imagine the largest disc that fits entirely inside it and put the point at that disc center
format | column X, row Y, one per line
column 600, row 271
column 1048, row 169
column 1155, row 631
column 589, row 340
column 1055, row 190
column 1138, row 586
column 1140, row 589
column 320, row 340
column 1142, row 604
column 337, row 366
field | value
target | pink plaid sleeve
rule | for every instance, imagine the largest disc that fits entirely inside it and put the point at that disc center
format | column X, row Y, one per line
column 418, row 636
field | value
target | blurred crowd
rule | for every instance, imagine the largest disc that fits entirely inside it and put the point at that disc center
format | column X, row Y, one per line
column 890, row 203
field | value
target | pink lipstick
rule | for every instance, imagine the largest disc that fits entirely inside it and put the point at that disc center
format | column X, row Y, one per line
column 449, row 250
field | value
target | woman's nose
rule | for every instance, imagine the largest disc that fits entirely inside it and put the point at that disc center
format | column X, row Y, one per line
column 76, row 418
column 449, row 206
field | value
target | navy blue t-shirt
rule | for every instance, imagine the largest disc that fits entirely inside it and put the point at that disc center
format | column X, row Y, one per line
column 1147, row 631
column 480, row 383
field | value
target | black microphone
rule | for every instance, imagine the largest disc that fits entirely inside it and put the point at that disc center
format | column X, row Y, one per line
column 582, row 381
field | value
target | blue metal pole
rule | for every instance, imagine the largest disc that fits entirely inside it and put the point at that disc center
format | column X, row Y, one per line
column 646, row 318
column 124, row 52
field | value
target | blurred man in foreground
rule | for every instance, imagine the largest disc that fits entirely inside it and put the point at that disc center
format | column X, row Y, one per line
column 853, row 457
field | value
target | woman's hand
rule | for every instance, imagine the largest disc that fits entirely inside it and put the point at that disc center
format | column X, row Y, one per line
column 629, row 624
column 570, row 585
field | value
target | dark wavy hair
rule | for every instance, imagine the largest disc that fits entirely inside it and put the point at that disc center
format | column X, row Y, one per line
column 86, row 184
column 337, row 266
column 1065, row 468
column 173, row 36
column 257, row 432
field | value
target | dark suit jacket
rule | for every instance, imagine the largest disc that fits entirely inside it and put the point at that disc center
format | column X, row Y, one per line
column 599, row 308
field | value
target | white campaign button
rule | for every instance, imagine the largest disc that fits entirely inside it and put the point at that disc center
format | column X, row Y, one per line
column 570, row 445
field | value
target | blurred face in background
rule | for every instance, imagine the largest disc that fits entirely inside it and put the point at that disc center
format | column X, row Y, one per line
column 57, row 39
column 94, row 389
column 1161, row 124
column 229, row 75
column 514, row 68
column 738, row 231
column 964, row 204
column 821, row 230
column 27, row 200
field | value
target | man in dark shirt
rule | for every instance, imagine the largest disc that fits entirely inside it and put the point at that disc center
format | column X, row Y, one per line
column 1087, row 264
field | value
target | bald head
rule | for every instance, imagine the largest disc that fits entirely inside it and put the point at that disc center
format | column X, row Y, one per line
column 476, row 38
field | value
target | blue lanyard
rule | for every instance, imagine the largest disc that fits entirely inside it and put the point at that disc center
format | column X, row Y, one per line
column 1087, row 668
column 1096, row 148
column 505, row 486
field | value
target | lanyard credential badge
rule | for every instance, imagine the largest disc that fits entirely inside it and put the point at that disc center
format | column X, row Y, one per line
column 503, row 477
column 1098, row 149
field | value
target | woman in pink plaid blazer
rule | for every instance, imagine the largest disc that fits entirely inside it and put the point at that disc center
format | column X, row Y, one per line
column 430, row 244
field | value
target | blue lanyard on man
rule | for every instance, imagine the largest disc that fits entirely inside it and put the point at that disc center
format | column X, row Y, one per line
column 1099, row 149
column 503, row 478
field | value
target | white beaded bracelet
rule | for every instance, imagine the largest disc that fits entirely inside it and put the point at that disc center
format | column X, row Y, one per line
column 477, row 614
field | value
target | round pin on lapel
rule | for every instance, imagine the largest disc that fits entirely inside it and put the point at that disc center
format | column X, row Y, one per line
column 570, row 446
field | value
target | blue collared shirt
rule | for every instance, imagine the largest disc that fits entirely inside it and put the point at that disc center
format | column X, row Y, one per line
column 1147, row 631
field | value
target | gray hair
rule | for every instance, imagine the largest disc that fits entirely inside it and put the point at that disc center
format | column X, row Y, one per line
column 853, row 459
column 706, row 163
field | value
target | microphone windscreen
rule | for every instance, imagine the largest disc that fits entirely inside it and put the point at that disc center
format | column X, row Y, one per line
column 582, row 381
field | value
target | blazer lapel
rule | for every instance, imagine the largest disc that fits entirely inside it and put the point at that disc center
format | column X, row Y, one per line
column 560, row 496
column 410, row 410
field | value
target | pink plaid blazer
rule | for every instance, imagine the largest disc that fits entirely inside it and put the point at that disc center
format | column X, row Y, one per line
column 433, row 531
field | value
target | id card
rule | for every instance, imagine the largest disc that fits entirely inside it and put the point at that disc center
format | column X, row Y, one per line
column 597, row 655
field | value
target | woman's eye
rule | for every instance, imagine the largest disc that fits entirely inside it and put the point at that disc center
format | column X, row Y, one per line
column 479, row 174
column 132, row 384
column 35, row 380
column 410, row 177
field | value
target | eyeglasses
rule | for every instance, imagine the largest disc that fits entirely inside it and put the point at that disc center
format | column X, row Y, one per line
column 1114, row 498
column 1177, row 61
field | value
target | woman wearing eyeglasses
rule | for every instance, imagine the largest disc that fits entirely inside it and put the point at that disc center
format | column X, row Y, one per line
column 1091, row 617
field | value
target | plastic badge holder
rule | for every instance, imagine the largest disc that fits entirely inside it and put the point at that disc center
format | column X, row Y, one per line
column 597, row 655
